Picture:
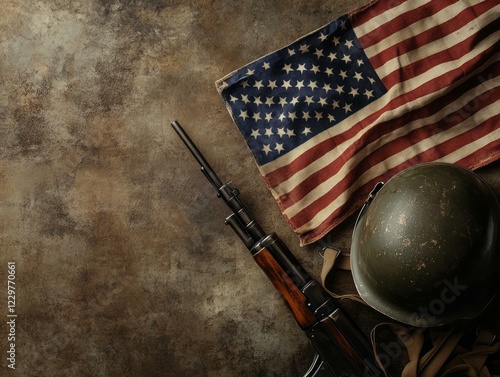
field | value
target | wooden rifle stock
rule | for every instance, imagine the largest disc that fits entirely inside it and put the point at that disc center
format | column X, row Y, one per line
column 293, row 297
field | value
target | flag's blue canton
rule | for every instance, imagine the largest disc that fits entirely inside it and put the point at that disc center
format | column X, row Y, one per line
column 287, row 97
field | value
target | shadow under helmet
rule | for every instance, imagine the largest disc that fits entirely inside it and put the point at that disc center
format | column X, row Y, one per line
column 426, row 246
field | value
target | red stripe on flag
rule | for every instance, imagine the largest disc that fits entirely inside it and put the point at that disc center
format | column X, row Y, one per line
column 401, row 22
column 430, row 35
column 491, row 152
column 371, row 10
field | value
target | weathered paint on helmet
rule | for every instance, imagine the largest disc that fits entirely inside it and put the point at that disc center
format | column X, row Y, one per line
column 426, row 249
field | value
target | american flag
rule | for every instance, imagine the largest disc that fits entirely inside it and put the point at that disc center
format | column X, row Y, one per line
column 387, row 86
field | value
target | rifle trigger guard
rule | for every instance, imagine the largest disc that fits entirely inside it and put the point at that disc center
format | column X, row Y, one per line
column 318, row 368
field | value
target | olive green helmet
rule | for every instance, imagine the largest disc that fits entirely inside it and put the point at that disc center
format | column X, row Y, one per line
column 426, row 246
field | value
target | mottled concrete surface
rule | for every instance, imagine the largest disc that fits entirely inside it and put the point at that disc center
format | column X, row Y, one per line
column 123, row 264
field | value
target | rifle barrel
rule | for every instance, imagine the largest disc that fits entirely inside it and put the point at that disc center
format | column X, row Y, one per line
column 205, row 166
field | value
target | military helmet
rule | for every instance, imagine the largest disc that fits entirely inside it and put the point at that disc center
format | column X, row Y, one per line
column 426, row 246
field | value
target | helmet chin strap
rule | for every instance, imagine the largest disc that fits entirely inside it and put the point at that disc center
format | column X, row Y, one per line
column 334, row 259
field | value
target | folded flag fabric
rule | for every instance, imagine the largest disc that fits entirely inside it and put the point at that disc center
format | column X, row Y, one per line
column 387, row 86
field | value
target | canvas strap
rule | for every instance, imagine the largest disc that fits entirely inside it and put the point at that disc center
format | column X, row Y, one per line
column 334, row 259
column 444, row 357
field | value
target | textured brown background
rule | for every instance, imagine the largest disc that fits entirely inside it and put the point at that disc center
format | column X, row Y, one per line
column 124, row 266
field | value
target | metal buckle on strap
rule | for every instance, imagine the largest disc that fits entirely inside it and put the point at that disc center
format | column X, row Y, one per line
column 485, row 336
column 324, row 245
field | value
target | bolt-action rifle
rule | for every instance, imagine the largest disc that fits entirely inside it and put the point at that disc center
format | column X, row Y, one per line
column 342, row 349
